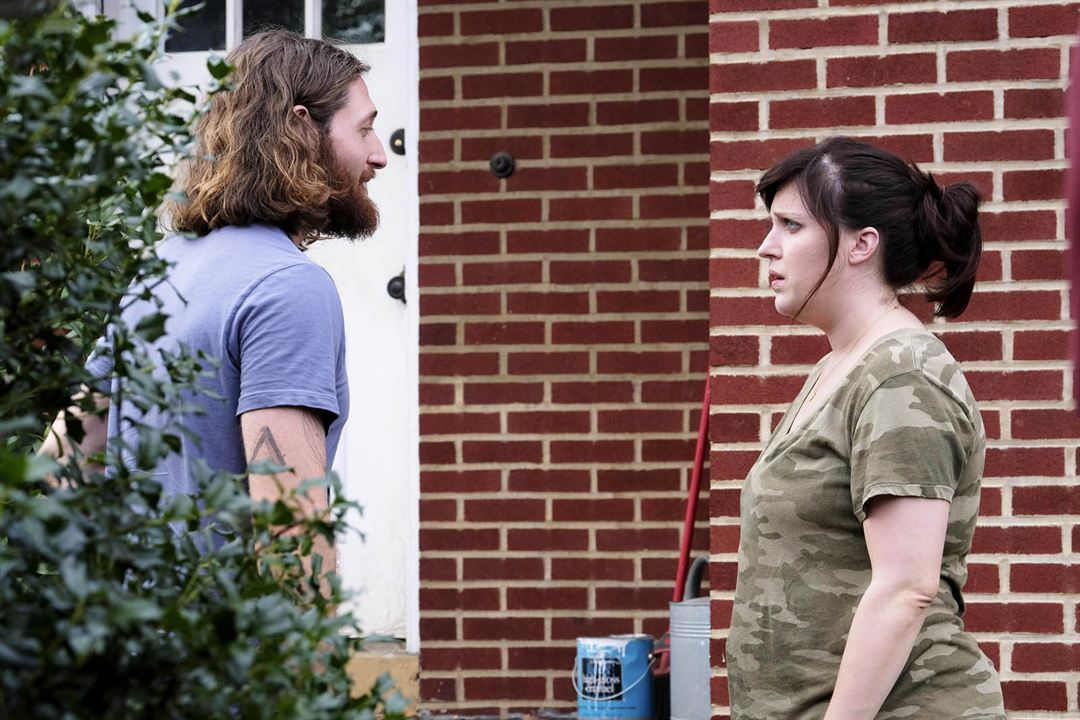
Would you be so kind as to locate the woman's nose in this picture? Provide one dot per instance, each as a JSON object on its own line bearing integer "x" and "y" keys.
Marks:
{"x": 769, "y": 247}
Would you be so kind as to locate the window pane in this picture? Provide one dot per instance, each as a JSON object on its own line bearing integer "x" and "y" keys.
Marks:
{"x": 288, "y": 14}
{"x": 354, "y": 21}
{"x": 202, "y": 30}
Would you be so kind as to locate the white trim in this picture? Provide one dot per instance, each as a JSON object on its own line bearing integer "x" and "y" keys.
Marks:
{"x": 313, "y": 18}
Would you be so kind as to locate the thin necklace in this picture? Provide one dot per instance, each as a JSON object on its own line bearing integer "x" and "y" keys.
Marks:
{"x": 820, "y": 381}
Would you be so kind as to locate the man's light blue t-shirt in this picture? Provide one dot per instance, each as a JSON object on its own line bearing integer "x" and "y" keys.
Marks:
{"x": 248, "y": 297}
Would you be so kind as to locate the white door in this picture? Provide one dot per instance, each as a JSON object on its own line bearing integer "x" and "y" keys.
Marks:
{"x": 378, "y": 455}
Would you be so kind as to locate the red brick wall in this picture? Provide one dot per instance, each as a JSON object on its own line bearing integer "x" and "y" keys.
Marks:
{"x": 973, "y": 92}
{"x": 564, "y": 330}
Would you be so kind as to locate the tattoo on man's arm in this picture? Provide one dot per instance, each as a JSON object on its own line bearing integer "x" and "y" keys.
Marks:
{"x": 266, "y": 446}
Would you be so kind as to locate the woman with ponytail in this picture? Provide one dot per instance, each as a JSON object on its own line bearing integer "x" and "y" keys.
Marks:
{"x": 858, "y": 516}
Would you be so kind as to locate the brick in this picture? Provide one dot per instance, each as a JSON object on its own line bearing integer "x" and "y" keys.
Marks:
{"x": 548, "y": 115}
{"x": 958, "y": 26}
{"x": 500, "y": 22}
{"x": 606, "y": 510}
{"x": 982, "y": 578}
{"x": 500, "y": 211}
{"x": 547, "y": 303}
{"x": 674, "y": 269}
{"x": 611, "y": 17}
{"x": 637, "y": 301}
{"x": 592, "y": 208}
{"x": 498, "y": 688}
{"x": 822, "y": 113}
{"x": 1044, "y": 578}
{"x": 696, "y": 46}
{"x": 687, "y": 78}
{"x": 743, "y": 234}
{"x": 438, "y": 511}
{"x": 638, "y": 239}
{"x": 1035, "y": 695}
{"x": 1043, "y": 21}
{"x": 455, "y": 364}
{"x": 501, "y": 568}
{"x": 547, "y": 241}
{"x": 569, "y": 628}
{"x": 504, "y": 333}
{"x": 437, "y": 275}
{"x": 742, "y": 389}
{"x": 720, "y": 6}
{"x": 843, "y": 31}
{"x": 498, "y": 510}
{"x": 547, "y": 51}
{"x": 640, "y": 539}
{"x": 667, "y": 450}
{"x": 501, "y": 273}
{"x": 432, "y": 305}
{"x": 734, "y": 36}
{"x": 437, "y": 334}
{"x": 548, "y": 363}
{"x": 1045, "y": 657}
{"x": 674, "y": 142}
{"x": 438, "y": 569}
{"x": 497, "y": 85}
{"x": 592, "y": 145}
{"x": 637, "y": 112}
{"x": 1016, "y": 385}
{"x": 970, "y": 346}
{"x": 1016, "y": 617}
{"x": 745, "y": 311}
{"x": 591, "y": 451}
{"x": 1005, "y": 145}
{"x": 432, "y": 540}
{"x": 467, "y": 658}
{"x": 1039, "y": 265}
{"x": 648, "y": 363}
{"x": 436, "y": 394}
{"x": 1018, "y": 225}
{"x": 653, "y": 480}
{"x": 459, "y": 243}
{"x": 631, "y": 598}
{"x": 733, "y": 350}
{"x": 590, "y": 393}
{"x": 503, "y": 393}
{"x": 592, "y": 333}
{"x": 733, "y": 272}
{"x": 763, "y": 76}
{"x": 459, "y": 481}
{"x": 549, "y": 421}
{"x": 939, "y": 107}
{"x": 1032, "y": 184}
{"x": 455, "y": 423}
{"x": 798, "y": 349}
{"x": 917, "y": 148}
{"x": 751, "y": 154}
{"x": 438, "y": 689}
{"x": 695, "y": 205}
{"x": 1025, "y": 104}
{"x": 1025, "y": 64}
{"x": 669, "y": 14}
{"x": 1022, "y": 462}
{"x": 542, "y": 658}
{"x": 1046, "y": 500}
{"x": 639, "y": 421}
{"x": 649, "y": 47}
{"x": 881, "y": 70}
{"x": 733, "y": 116}
{"x": 541, "y": 540}
{"x": 1024, "y": 540}
{"x": 675, "y": 331}
{"x": 437, "y": 88}
{"x": 436, "y": 151}
{"x": 501, "y": 451}
{"x": 549, "y": 480}
{"x": 1020, "y": 305}
{"x": 552, "y": 178}
{"x": 1041, "y": 345}
{"x": 434, "y": 24}
{"x": 521, "y": 147}
{"x": 590, "y": 82}
{"x": 607, "y": 177}
{"x": 435, "y": 57}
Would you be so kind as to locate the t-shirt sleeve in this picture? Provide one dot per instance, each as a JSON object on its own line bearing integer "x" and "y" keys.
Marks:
{"x": 287, "y": 336}
{"x": 910, "y": 439}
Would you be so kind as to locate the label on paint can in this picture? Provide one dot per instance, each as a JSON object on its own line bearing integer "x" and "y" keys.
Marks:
{"x": 601, "y": 678}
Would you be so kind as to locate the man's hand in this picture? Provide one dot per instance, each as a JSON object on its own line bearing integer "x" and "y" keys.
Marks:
{"x": 58, "y": 444}
{"x": 292, "y": 437}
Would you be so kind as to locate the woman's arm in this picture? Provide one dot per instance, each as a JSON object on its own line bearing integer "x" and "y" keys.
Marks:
{"x": 905, "y": 537}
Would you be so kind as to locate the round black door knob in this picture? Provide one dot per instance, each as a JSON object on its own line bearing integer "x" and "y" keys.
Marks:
{"x": 397, "y": 141}
{"x": 396, "y": 287}
{"x": 502, "y": 164}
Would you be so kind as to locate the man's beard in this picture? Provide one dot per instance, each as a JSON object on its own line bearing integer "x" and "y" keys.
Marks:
{"x": 351, "y": 214}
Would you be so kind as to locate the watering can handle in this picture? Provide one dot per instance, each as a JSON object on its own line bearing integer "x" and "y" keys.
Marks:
{"x": 692, "y": 588}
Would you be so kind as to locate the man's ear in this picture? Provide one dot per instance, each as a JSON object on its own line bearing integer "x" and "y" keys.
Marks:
{"x": 864, "y": 246}
{"x": 300, "y": 111}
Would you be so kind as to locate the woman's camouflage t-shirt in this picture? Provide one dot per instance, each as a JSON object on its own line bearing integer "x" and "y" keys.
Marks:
{"x": 903, "y": 422}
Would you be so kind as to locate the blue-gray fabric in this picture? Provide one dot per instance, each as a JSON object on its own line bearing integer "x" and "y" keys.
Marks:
{"x": 270, "y": 316}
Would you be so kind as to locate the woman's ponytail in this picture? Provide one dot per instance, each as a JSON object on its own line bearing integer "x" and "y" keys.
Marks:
{"x": 951, "y": 241}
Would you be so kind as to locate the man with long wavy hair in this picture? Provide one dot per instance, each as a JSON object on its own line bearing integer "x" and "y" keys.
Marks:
{"x": 282, "y": 159}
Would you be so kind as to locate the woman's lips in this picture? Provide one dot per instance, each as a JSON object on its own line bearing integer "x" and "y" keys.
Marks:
{"x": 775, "y": 280}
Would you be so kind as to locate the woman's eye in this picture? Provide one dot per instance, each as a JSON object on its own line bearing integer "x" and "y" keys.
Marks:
{"x": 791, "y": 225}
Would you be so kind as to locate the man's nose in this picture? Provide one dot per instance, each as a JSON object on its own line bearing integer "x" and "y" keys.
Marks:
{"x": 377, "y": 158}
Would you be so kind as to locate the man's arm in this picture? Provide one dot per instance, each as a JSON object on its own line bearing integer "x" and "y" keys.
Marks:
{"x": 292, "y": 437}
{"x": 59, "y": 444}
{"x": 905, "y": 537}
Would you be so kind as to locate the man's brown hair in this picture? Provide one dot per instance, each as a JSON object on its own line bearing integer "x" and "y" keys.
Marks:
{"x": 255, "y": 160}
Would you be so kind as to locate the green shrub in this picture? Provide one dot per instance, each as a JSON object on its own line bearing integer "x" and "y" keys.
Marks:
{"x": 117, "y": 602}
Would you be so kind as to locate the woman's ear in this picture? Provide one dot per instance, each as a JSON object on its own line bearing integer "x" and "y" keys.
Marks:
{"x": 864, "y": 245}
{"x": 300, "y": 111}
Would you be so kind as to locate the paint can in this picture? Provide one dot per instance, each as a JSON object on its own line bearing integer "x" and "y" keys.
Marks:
{"x": 613, "y": 677}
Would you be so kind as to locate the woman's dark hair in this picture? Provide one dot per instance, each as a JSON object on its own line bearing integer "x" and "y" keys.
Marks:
{"x": 927, "y": 232}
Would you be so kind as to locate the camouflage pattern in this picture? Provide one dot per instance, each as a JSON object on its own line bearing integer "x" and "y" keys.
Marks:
{"x": 903, "y": 422}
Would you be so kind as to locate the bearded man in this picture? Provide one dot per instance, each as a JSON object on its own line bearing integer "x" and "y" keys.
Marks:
{"x": 282, "y": 159}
